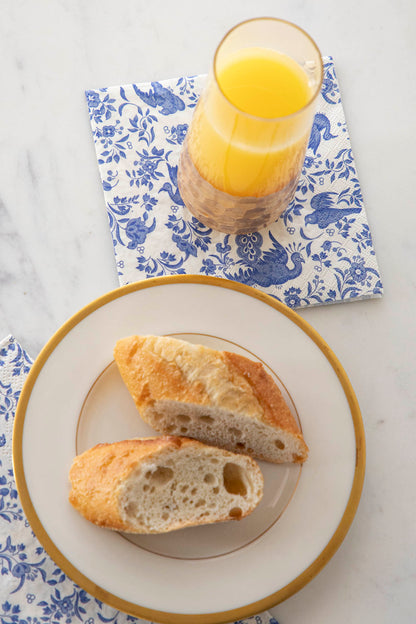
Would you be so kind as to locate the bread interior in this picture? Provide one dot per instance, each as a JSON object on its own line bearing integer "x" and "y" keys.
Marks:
{"x": 219, "y": 427}
{"x": 188, "y": 486}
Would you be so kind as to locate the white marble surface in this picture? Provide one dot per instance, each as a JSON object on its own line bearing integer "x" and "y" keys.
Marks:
{"x": 56, "y": 252}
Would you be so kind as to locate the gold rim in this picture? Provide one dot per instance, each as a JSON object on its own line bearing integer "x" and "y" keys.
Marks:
{"x": 162, "y": 616}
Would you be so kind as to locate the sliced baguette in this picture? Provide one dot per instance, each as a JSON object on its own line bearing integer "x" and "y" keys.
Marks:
{"x": 217, "y": 397}
{"x": 156, "y": 485}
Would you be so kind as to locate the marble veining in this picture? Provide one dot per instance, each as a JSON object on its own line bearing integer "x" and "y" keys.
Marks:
{"x": 56, "y": 251}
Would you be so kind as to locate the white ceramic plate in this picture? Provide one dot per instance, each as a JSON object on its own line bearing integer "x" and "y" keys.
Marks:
{"x": 74, "y": 398}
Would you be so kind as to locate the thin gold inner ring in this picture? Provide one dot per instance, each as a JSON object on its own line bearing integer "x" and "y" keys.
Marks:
{"x": 292, "y": 404}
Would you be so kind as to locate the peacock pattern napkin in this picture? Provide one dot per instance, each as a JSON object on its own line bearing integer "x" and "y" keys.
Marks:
{"x": 33, "y": 590}
{"x": 319, "y": 251}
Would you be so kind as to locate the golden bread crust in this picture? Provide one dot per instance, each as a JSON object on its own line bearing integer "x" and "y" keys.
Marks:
{"x": 97, "y": 474}
{"x": 275, "y": 410}
{"x": 149, "y": 376}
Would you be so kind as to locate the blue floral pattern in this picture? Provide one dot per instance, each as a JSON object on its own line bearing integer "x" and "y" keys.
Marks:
{"x": 33, "y": 590}
{"x": 319, "y": 251}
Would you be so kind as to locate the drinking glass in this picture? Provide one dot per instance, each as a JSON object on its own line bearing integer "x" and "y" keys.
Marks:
{"x": 244, "y": 150}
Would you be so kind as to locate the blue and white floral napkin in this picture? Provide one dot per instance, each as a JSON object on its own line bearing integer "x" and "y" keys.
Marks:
{"x": 319, "y": 251}
{"x": 33, "y": 590}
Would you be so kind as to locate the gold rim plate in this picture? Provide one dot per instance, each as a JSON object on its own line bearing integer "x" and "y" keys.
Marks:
{"x": 250, "y": 317}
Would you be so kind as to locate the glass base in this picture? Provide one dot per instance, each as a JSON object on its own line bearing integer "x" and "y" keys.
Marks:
{"x": 227, "y": 213}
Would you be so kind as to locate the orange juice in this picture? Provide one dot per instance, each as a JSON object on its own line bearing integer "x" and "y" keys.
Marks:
{"x": 231, "y": 146}
{"x": 240, "y": 163}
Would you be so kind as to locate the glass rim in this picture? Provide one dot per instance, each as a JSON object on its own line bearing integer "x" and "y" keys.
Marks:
{"x": 257, "y": 117}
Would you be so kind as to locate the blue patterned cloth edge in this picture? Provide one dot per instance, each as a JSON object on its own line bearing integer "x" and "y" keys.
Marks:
{"x": 33, "y": 590}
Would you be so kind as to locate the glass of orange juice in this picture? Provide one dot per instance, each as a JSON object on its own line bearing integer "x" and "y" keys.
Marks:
{"x": 245, "y": 146}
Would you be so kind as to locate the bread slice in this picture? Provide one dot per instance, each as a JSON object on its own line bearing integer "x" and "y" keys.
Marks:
{"x": 155, "y": 485}
{"x": 217, "y": 397}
